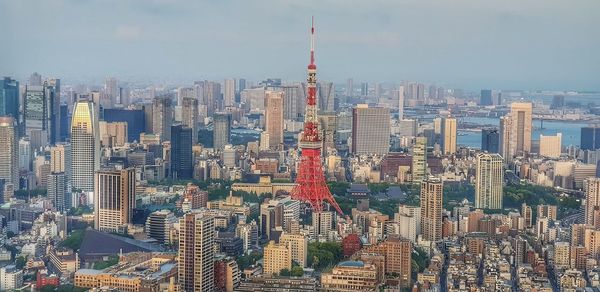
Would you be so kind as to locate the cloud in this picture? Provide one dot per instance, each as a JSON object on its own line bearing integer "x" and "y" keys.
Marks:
{"x": 128, "y": 32}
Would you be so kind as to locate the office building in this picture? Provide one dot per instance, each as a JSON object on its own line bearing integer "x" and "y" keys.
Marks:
{"x": 85, "y": 146}
{"x": 516, "y": 140}
{"x": 592, "y": 201}
{"x": 551, "y": 146}
{"x": 113, "y": 134}
{"x": 489, "y": 180}
{"x": 41, "y": 110}
{"x": 349, "y": 87}
{"x": 25, "y": 154}
{"x": 448, "y": 134}
{"x": 57, "y": 191}
{"x": 490, "y": 140}
{"x": 293, "y": 102}
{"x": 189, "y": 116}
{"x": 298, "y": 244}
{"x": 9, "y": 98}
{"x": 351, "y": 276}
{"x": 221, "y": 130}
{"x": 486, "y": 97}
{"x": 162, "y": 117}
{"x": 114, "y": 199}
{"x": 9, "y": 155}
{"x": 431, "y": 209}
{"x": 397, "y": 253}
{"x": 229, "y": 92}
{"x": 419, "y": 160}
{"x": 196, "y": 252}
{"x": 400, "y": 93}
{"x": 527, "y": 215}
{"x": 10, "y": 278}
{"x": 277, "y": 256}
{"x": 271, "y": 217}
{"x": 211, "y": 97}
{"x": 274, "y": 118}
{"x": 370, "y": 130}
{"x": 158, "y": 225}
{"x": 322, "y": 222}
{"x": 409, "y": 222}
{"x": 590, "y": 138}
{"x": 326, "y": 96}
{"x": 364, "y": 89}
{"x": 60, "y": 160}
{"x": 135, "y": 119}
{"x": 182, "y": 162}
{"x": 558, "y": 102}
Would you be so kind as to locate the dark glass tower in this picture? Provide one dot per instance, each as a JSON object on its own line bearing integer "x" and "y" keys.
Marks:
{"x": 181, "y": 152}
{"x": 490, "y": 140}
{"x": 9, "y": 98}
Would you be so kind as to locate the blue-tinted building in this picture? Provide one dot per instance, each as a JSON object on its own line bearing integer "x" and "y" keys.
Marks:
{"x": 65, "y": 120}
{"x": 590, "y": 138}
{"x": 181, "y": 152}
{"x": 490, "y": 140}
{"x": 9, "y": 97}
{"x": 135, "y": 119}
{"x": 486, "y": 97}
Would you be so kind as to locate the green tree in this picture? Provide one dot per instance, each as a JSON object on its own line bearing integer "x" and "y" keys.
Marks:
{"x": 297, "y": 271}
{"x": 20, "y": 262}
{"x": 74, "y": 240}
{"x": 324, "y": 254}
{"x": 285, "y": 272}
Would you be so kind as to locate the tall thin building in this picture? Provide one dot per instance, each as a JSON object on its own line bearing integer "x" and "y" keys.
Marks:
{"x": 60, "y": 162}
{"x": 114, "y": 199}
{"x": 370, "y": 130}
{"x": 57, "y": 191}
{"x": 486, "y": 97}
{"x": 162, "y": 117}
{"x": 350, "y": 87}
{"x": 221, "y": 130}
{"x": 431, "y": 209}
{"x": 590, "y": 138}
{"x": 274, "y": 118}
{"x": 229, "y": 92}
{"x": 448, "y": 136}
{"x": 196, "y": 252}
{"x": 419, "y": 159}
{"x": 181, "y": 152}
{"x": 489, "y": 179}
{"x": 189, "y": 116}
{"x": 211, "y": 96}
{"x": 9, "y": 155}
{"x": 111, "y": 91}
{"x": 292, "y": 102}
{"x": 85, "y": 145}
{"x": 505, "y": 138}
{"x": 364, "y": 89}
{"x": 9, "y": 98}
{"x": 592, "y": 202}
{"x": 400, "y": 93}
{"x": 326, "y": 99}
{"x": 520, "y": 139}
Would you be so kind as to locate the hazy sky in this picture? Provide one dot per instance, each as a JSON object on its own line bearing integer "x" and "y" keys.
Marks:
{"x": 509, "y": 44}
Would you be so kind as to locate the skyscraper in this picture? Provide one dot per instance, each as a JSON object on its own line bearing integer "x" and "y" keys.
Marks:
{"x": 41, "y": 110}
{"x": 229, "y": 92}
{"x": 590, "y": 138}
{"x": 400, "y": 93}
{"x": 505, "y": 138}
{"x": 57, "y": 190}
{"x": 35, "y": 79}
{"x": 520, "y": 137}
{"x": 370, "y": 130}
{"x": 114, "y": 199}
{"x": 350, "y": 87}
{"x": 326, "y": 97}
{"x": 448, "y": 135}
{"x": 274, "y": 118}
{"x": 189, "y": 116}
{"x": 221, "y": 130}
{"x": 211, "y": 96}
{"x": 364, "y": 89}
{"x": 592, "y": 202}
{"x": 196, "y": 252}
{"x": 490, "y": 140}
{"x": 9, "y": 98}
{"x": 419, "y": 160}
{"x": 162, "y": 117}
{"x": 431, "y": 208}
{"x": 486, "y": 97}
{"x": 60, "y": 162}
{"x": 85, "y": 145}
{"x": 292, "y": 102}
{"x": 9, "y": 155}
{"x": 181, "y": 152}
{"x": 489, "y": 179}
{"x": 111, "y": 91}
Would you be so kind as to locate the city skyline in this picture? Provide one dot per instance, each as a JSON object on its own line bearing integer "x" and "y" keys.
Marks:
{"x": 512, "y": 46}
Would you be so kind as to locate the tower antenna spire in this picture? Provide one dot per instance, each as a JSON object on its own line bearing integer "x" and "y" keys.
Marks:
{"x": 312, "y": 41}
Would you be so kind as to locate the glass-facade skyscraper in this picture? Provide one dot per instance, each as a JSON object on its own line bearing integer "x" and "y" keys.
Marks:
{"x": 85, "y": 145}
{"x": 9, "y": 97}
{"x": 181, "y": 152}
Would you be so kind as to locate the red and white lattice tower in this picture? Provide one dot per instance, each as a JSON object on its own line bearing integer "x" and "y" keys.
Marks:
{"x": 311, "y": 186}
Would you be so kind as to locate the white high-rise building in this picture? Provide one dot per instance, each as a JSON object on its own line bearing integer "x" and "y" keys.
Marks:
{"x": 401, "y": 103}
{"x": 489, "y": 179}
{"x": 229, "y": 92}
{"x": 25, "y": 154}
{"x": 592, "y": 202}
{"x": 550, "y": 146}
{"x": 85, "y": 145}
{"x": 9, "y": 160}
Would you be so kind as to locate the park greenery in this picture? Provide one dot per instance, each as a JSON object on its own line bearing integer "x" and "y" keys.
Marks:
{"x": 246, "y": 261}
{"x": 419, "y": 261}
{"x": 74, "y": 240}
{"x": 111, "y": 261}
{"x": 324, "y": 255}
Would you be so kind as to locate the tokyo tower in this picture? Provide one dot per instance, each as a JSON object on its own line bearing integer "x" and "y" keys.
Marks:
{"x": 310, "y": 181}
